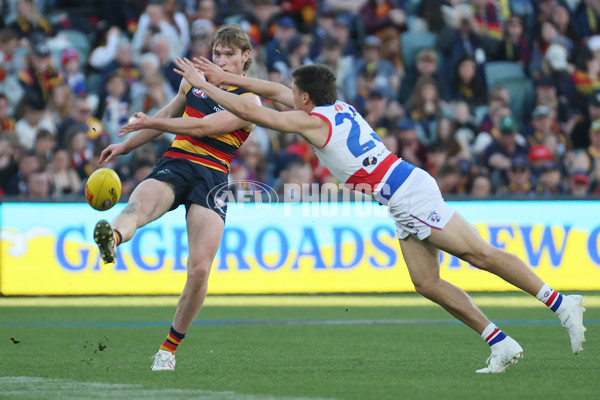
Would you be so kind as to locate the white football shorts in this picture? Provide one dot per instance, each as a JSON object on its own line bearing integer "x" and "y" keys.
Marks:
{"x": 417, "y": 207}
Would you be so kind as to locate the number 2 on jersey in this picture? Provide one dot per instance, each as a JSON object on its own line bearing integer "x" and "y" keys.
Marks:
{"x": 356, "y": 148}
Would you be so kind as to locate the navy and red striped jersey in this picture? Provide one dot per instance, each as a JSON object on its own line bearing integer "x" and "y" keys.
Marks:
{"x": 213, "y": 151}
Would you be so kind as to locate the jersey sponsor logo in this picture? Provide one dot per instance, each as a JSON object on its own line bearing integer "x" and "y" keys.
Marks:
{"x": 163, "y": 171}
{"x": 370, "y": 160}
{"x": 199, "y": 93}
{"x": 218, "y": 108}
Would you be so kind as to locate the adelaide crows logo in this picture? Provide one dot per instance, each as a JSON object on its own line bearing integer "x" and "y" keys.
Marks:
{"x": 199, "y": 93}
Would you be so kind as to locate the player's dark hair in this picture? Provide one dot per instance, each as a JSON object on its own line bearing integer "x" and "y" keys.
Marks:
{"x": 234, "y": 37}
{"x": 318, "y": 81}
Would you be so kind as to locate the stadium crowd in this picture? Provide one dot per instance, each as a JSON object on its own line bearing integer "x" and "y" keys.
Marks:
{"x": 491, "y": 97}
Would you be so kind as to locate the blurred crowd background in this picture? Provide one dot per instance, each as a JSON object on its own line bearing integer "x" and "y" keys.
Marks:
{"x": 491, "y": 97}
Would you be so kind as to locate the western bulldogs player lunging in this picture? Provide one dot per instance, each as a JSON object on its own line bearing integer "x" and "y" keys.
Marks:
{"x": 347, "y": 146}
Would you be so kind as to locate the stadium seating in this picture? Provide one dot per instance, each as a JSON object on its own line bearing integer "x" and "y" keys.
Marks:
{"x": 413, "y": 42}
{"x": 521, "y": 94}
{"x": 499, "y": 71}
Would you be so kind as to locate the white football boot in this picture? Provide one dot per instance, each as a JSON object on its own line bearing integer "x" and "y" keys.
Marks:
{"x": 163, "y": 361}
{"x": 504, "y": 353}
{"x": 570, "y": 314}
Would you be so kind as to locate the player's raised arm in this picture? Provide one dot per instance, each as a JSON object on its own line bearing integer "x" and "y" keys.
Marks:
{"x": 269, "y": 90}
{"x": 312, "y": 128}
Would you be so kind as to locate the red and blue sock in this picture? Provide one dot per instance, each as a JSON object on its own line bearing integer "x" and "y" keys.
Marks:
{"x": 492, "y": 334}
{"x": 173, "y": 340}
{"x": 550, "y": 297}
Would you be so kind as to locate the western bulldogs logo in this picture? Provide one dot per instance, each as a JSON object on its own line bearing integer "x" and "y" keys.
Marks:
{"x": 410, "y": 225}
{"x": 199, "y": 93}
{"x": 434, "y": 217}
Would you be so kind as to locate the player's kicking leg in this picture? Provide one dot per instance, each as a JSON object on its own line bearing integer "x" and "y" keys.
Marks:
{"x": 422, "y": 260}
{"x": 149, "y": 201}
{"x": 460, "y": 239}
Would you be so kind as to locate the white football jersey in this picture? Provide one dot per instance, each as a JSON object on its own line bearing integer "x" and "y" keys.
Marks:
{"x": 353, "y": 152}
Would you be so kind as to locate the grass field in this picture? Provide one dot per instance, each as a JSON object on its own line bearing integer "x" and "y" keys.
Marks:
{"x": 288, "y": 347}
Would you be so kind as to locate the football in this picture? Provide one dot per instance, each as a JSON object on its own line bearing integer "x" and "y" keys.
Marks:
{"x": 103, "y": 189}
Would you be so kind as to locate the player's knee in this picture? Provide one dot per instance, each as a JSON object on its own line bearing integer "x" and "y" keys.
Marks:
{"x": 426, "y": 287}
{"x": 478, "y": 256}
{"x": 198, "y": 272}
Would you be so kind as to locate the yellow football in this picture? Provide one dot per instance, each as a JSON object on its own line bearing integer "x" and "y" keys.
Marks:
{"x": 103, "y": 189}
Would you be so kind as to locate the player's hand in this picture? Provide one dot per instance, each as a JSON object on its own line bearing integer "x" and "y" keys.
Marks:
{"x": 212, "y": 73}
{"x": 112, "y": 151}
{"x": 140, "y": 121}
{"x": 186, "y": 69}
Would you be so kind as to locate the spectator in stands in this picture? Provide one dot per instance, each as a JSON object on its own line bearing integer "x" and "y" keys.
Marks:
{"x": 487, "y": 18}
{"x": 296, "y": 175}
{"x": 104, "y": 49}
{"x": 586, "y": 19}
{"x": 159, "y": 46}
{"x": 207, "y": 9}
{"x": 43, "y": 146}
{"x": 518, "y": 175}
{"x": 80, "y": 150}
{"x": 465, "y": 126}
{"x": 60, "y": 104}
{"x": 543, "y": 40}
{"x": 7, "y": 122}
{"x": 178, "y": 20}
{"x": 123, "y": 64}
{"x": 543, "y": 123}
{"x": 435, "y": 157}
{"x": 464, "y": 42}
{"x": 38, "y": 186}
{"x": 149, "y": 68}
{"x": 40, "y": 76}
{"x": 468, "y": 85}
{"x": 276, "y": 49}
{"x": 34, "y": 118}
{"x": 8, "y": 163}
{"x": 380, "y": 15}
{"x": 298, "y": 50}
{"x": 426, "y": 64}
{"x": 17, "y": 184}
{"x": 481, "y": 186}
{"x": 561, "y": 18}
{"x": 342, "y": 66}
{"x": 585, "y": 77}
{"x": 448, "y": 176}
{"x": 384, "y": 70}
{"x": 425, "y": 108}
{"x": 64, "y": 178}
{"x": 343, "y": 34}
{"x": 154, "y": 21}
{"x": 375, "y": 111}
{"x": 30, "y": 21}
{"x": 391, "y": 49}
{"x": 538, "y": 156}
{"x": 446, "y": 134}
{"x": 323, "y": 27}
{"x": 409, "y": 146}
{"x": 555, "y": 67}
{"x": 515, "y": 46}
{"x": 588, "y": 159}
{"x": 116, "y": 107}
{"x": 579, "y": 184}
{"x": 580, "y": 137}
{"x": 430, "y": 16}
{"x": 550, "y": 180}
{"x": 499, "y": 155}
{"x": 71, "y": 70}
{"x": 10, "y": 66}
{"x": 81, "y": 114}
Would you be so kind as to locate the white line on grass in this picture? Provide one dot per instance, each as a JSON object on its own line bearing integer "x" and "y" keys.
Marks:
{"x": 27, "y": 387}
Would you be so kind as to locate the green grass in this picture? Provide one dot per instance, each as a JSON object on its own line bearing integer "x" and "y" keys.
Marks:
{"x": 60, "y": 356}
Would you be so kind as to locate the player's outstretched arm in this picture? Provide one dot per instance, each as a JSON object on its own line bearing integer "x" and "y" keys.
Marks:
{"x": 313, "y": 128}
{"x": 270, "y": 90}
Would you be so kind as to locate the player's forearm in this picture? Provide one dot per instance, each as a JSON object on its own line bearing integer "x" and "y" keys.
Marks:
{"x": 194, "y": 127}
{"x": 270, "y": 90}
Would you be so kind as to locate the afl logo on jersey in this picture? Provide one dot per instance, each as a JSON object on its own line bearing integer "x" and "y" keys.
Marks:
{"x": 370, "y": 160}
{"x": 199, "y": 93}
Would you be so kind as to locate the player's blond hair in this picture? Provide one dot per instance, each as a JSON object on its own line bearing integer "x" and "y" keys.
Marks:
{"x": 234, "y": 37}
